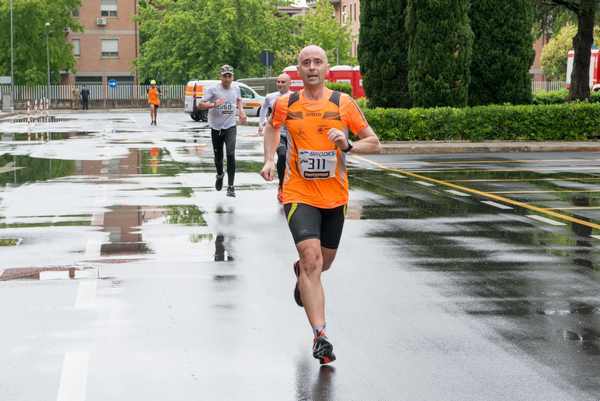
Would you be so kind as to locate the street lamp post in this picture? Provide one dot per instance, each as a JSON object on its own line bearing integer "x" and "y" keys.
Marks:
{"x": 48, "y": 60}
{"x": 12, "y": 57}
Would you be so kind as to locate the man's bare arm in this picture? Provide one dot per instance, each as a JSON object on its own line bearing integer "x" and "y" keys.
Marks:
{"x": 271, "y": 136}
{"x": 368, "y": 142}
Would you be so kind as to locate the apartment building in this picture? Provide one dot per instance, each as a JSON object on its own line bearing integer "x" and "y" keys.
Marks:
{"x": 347, "y": 12}
{"x": 108, "y": 44}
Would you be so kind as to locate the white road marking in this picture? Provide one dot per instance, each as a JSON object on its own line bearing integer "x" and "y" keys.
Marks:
{"x": 86, "y": 294}
{"x": 92, "y": 248}
{"x": 397, "y": 175}
{"x": 73, "y": 379}
{"x": 595, "y": 236}
{"x": 54, "y": 275}
{"x": 454, "y": 192}
{"x": 425, "y": 183}
{"x": 498, "y": 205}
{"x": 545, "y": 220}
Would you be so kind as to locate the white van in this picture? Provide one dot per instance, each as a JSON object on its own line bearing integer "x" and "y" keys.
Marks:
{"x": 194, "y": 90}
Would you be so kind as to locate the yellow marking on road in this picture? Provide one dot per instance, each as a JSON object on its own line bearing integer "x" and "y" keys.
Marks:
{"x": 527, "y": 180}
{"x": 577, "y": 208}
{"x": 506, "y": 170}
{"x": 498, "y": 161}
{"x": 545, "y": 192}
{"x": 488, "y": 195}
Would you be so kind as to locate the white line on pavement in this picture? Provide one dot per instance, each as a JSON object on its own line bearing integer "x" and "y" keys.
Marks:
{"x": 545, "y": 220}
{"x": 54, "y": 275}
{"x": 454, "y": 192}
{"x": 397, "y": 175}
{"x": 92, "y": 248}
{"x": 86, "y": 294}
{"x": 425, "y": 183}
{"x": 498, "y": 205}
{"x": 73, "y": 379}
{"x": 595, "y": 236}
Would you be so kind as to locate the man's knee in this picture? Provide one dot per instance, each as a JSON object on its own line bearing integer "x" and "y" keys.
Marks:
{"x": 311, "y": 261}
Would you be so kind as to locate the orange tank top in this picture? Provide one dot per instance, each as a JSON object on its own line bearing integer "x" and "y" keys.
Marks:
{"x": 315, "y": 168}
{"x": 153, "y": 96}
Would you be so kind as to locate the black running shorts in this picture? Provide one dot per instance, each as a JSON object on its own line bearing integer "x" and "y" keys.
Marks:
{"x": 308, "y": 222}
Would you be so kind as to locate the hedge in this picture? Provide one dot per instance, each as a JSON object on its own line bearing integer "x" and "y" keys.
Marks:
{"x": 570, "y": 121}
{"x": 559, "y": 96}
{"x": 340, "y": 87}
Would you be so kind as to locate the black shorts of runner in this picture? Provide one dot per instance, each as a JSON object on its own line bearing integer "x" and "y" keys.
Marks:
{"x": 309, "y": 222}
{"x": 156, "y": 106}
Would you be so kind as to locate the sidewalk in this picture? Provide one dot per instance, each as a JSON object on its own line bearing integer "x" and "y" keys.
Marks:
{"x": 432, "y": 147}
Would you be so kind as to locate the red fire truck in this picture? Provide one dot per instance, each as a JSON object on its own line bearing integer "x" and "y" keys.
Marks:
{"x": 594, "y": 69}
{"x": 338, "y": 73}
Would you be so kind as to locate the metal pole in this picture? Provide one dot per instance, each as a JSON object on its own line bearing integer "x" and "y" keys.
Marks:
{"x": 48, "y": 59}
{"x": 12, "y": 57}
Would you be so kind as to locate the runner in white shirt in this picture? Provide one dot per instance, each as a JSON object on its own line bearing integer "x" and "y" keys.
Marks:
{"x": 283, "y": 86}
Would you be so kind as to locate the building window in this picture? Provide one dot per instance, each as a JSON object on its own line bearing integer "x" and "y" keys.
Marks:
{"x": 344, "y": 15}
{"x": 110, "y": 47}
{"x": 82, "y": 80}
{"x": 76, "y": 48}
{"x": 108, "y": 8}
{"x": 75, "y": 12}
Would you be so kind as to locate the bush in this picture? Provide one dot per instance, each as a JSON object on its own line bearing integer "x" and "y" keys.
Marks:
{"x": 340, "y": 87}
{"x": 569, "y": 121}
{"x": 559, "y": 97}
{"x": 551, "y": 97}
{"x": 362, "y": 103}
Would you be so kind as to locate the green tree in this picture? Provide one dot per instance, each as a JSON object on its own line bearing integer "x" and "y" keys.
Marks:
{"x": 554, "y": 55}
{"x": 502, "y": 51}
{"x": 585, "y": 12}
{"x": 383, "y": 52}
{"x": 184, "y": 39}
{"x": 439, "y": 52}
{"x": 319, "y": 27}
{"x": 29, "y": 19}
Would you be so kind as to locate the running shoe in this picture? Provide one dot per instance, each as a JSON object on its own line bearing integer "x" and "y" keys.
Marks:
{"x": 219, "y": 182}
{"x": 297, "y": 297}
{"x": 231, "y": 191}
{"x": 323, "y": 349}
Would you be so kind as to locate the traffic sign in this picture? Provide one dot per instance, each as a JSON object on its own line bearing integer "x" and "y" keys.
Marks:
{"x": 267, "y": 57}
{"x": 112, "y": 83}
{"x": 5, "y": 80}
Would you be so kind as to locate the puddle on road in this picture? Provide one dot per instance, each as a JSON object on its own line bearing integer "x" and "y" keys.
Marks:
{"x": 18, "y": 170}
{"x": 10, "y": 241}
{"x": 531, "y": 283}
{"x": 34, "y": 136}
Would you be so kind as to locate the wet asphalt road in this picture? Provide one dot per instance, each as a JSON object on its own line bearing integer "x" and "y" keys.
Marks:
{"x": 178, "y": 292}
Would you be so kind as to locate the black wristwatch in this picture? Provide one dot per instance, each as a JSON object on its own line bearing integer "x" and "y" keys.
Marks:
{"x": 349, "y": 148}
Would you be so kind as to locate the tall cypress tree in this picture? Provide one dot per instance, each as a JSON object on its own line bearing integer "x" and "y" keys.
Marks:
{"x": 439, "y": 52}
{"x": 502, "y": 51}
{"x": 383, "y": 52}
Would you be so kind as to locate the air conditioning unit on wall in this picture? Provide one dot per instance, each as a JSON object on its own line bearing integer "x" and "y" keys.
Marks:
{"x": 101, "y": 21}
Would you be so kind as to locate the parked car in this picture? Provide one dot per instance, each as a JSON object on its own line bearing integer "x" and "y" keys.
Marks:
{"x": 194, "y": 90}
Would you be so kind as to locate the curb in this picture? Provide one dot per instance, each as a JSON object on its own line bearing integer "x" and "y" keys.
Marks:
{"x": 392, "y": 148}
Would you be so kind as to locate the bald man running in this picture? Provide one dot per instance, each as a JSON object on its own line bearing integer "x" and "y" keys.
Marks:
{"x": 315, "y": 187}
{"x": 283, "y": 87}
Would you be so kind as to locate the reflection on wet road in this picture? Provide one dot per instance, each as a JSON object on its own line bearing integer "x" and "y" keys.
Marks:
{"x": 125, "y": 275}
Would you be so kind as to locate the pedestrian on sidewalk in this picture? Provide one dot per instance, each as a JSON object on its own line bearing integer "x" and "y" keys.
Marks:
{"x": 75, "y": 99}
{"x": 85, "y": 97}
{"x": 224, "y": 101}
{"x": 283, "y": 87}
{"x": 315, "y": 188}
{"x": 154, "y": 101}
